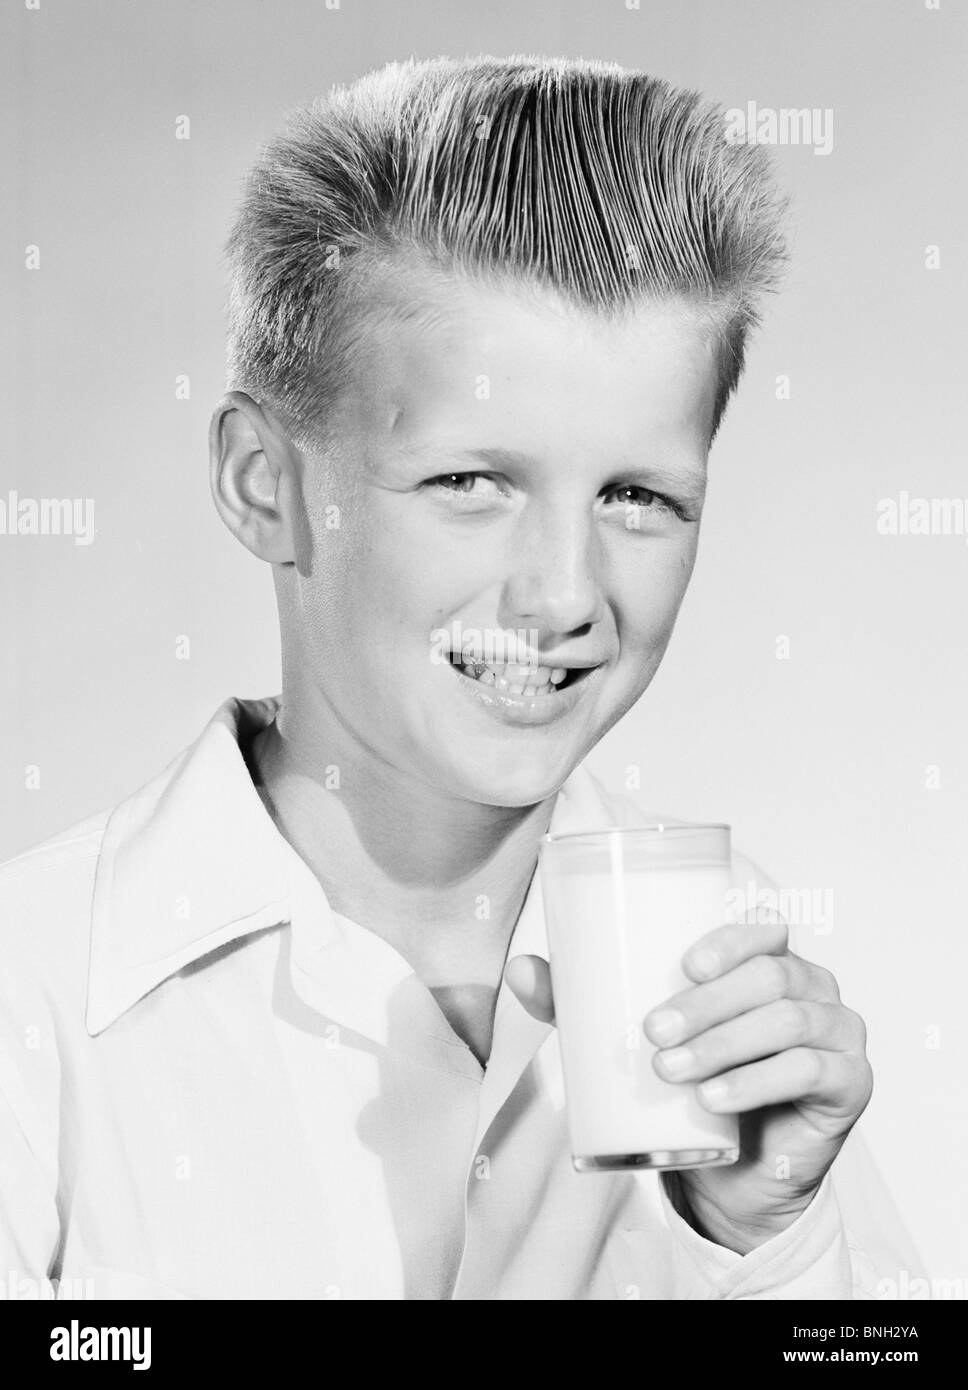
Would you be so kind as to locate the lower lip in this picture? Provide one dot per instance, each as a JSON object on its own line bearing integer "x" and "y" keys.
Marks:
{"x": 529, "y": 710}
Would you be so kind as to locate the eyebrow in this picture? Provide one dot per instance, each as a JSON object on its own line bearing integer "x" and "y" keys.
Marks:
{"x": 689, "y": 482}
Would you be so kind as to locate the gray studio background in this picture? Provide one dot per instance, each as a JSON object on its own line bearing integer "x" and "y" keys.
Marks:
{"x": 842, "y": 766}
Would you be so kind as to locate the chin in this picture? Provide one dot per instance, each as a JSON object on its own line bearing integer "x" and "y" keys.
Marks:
{"x": 522, "y": 786}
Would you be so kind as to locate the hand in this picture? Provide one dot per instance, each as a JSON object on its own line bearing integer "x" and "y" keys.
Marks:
{"x": 767, "y": 1034}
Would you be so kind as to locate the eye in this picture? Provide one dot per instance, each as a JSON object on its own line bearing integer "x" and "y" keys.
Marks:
{"x": 456, "y": 482}
{"x": 632, "y": 497}
{"x": 473, "y": 487}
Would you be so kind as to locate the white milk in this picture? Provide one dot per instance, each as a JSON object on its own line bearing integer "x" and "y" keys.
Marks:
{"x": 615, "y": 945}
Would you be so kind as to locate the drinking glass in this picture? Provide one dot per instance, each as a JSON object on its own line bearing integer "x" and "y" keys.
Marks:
{"x": 622, "y": 907}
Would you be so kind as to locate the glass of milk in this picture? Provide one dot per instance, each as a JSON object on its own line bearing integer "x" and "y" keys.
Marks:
{"x": 622, "y": 907}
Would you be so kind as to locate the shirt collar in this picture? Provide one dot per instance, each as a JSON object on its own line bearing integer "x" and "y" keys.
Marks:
{"x": 193, "y": 861}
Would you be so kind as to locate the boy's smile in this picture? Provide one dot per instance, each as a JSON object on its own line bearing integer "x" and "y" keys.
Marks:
{"x": 504, "y": 463}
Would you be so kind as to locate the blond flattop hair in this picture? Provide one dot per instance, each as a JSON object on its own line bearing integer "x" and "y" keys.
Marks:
{"x": 607, "y": 185}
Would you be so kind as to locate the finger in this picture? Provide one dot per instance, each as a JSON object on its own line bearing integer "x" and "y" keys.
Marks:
{"x": 727, "y": 946}
{"x": 748, "y": 986}
{"x": 529, "y": 980}
{"x": 834, "y": 1080}
{"x": 774, "y": 1028}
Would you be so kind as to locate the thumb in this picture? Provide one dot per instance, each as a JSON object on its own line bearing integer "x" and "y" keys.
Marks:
{"x": 529, "y": 980}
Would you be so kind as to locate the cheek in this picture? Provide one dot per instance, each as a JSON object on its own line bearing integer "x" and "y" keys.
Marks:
{"x": 372, "y": 592}
{"x": 650, "y": 592}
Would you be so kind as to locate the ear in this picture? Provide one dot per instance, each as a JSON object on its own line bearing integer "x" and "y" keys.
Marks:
{"x": 254, "y": 476}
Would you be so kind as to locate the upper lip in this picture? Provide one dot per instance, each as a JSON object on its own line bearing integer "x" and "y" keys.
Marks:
{"x": 571, "y": 663}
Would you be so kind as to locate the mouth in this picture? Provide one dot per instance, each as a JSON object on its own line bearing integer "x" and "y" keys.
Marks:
{"x": 527, "y": 682}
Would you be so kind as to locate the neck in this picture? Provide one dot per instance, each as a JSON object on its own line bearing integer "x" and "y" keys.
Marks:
{"x": 442, "y": 879}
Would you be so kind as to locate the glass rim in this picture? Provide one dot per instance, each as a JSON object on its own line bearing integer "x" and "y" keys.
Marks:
{"x": 655, "y": 829}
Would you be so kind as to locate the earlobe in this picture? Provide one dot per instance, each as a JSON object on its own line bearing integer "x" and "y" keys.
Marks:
{"x": 250, "y": 472}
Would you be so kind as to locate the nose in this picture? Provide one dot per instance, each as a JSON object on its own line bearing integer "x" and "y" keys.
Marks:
{"x": 555, "y": 584}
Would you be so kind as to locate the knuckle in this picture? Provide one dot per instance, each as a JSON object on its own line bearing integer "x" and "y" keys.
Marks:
{"x": 868, "y": 1083}
{"x": 828, "y": 981}
{"x": 795, "y": 1020}
{"x": 858, "y": 1027}
{"x": 770, "y": 976}
{"x": 860, "y": 1080}
{"x": 812, "y": 1066}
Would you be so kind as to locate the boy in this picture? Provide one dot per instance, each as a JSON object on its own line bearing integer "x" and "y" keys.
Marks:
{"x": 280, "y": 1024}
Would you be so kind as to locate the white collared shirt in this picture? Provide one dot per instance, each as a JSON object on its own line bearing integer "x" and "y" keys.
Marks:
{"x": 214, "y": 1086}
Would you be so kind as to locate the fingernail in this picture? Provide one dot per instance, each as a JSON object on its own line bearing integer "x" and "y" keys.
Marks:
{"x": 664, "y": 1026}
{"x": 704, "y": 961}
{"x": 715, "y": 1092}
{"x": 676, "y": 1062}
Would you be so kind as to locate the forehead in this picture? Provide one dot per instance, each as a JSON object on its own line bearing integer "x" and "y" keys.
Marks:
{"x": 442, "y": 355}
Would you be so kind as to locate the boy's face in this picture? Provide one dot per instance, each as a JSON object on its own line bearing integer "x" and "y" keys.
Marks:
{"x": 504, "y": 463}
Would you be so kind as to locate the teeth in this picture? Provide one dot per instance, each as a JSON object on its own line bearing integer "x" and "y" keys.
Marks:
{"x": 515, "y": 678}
{"x": 514, "y": 675}
{"x": 518, "y": 674}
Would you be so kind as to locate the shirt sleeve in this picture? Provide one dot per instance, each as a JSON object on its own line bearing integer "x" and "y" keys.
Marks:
{"x": 811, "y": 1259}
{"x": 885, "y": 1259}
